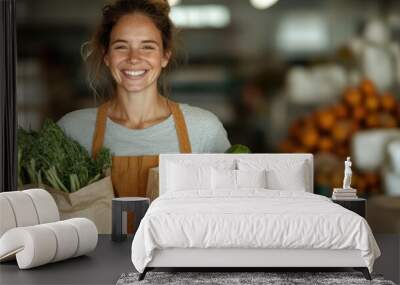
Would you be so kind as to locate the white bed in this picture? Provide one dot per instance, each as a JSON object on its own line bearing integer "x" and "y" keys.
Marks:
{"x": 217, "y": 225}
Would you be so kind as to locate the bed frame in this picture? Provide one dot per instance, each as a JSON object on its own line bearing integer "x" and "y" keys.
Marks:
{"x": 246, "y": 259}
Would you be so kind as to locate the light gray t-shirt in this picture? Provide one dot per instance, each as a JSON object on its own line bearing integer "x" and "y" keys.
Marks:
{"x": 206, "y": 133}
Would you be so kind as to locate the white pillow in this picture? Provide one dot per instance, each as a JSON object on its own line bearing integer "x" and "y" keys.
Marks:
{"x": 288, "y": 174}
{"x": 296, "y": 180}
{"x": 236, "y": 179}
{"x": 223, "y": 179}
{"x": 251, "y": 178}
{"x": 185, "y": 177}
{"x": 193, "y": 174}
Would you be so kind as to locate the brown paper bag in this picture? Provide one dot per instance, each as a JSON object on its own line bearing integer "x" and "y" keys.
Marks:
{"x": 152, "y": 190}
{"x": 93, "y": 202}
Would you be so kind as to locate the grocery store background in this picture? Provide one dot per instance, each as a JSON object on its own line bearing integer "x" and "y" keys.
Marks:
{"x": 320, "y": 76}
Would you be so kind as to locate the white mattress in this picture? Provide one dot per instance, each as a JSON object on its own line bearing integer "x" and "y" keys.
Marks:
{"x": 250, "y": 219}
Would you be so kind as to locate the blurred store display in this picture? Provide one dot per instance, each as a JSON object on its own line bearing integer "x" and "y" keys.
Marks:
{"x": 378, "y": 140}
{"x": 31, "y": 94}
{"x": 292, "y": 70}
{"x": 377, "y": 54}
{"x": 303, "y": 33}
{"x": 262, "y": 4}
{"x": 201, "y": 16}
{"x": 174, "y": 2}
{"x": 391, "y": 169}
{"x": 316, "y": 85}
{"x": 331, "y": 131}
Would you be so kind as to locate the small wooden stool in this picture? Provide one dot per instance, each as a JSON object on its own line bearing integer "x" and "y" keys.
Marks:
{"x": 137, "y": 205}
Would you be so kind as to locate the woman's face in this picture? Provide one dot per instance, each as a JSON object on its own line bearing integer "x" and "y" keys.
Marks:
{"x": 135, "y": 55}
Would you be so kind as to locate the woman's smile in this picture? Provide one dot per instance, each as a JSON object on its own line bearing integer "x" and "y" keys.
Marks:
{"x": 135, "y": 74}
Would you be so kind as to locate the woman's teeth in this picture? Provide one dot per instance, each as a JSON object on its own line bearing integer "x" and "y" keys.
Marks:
{"x": 134, "y": 73}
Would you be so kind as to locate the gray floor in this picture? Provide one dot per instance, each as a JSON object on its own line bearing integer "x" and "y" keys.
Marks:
{"x": 103, "y": 266}
{"x": 110, "y": 260}
{"x": 389, "y": 262}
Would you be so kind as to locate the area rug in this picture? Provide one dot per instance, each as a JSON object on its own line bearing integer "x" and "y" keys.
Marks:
{"x": 243, "y": 278}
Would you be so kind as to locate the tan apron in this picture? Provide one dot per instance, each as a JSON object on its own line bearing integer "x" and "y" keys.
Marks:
{"x": 129, "y": 174}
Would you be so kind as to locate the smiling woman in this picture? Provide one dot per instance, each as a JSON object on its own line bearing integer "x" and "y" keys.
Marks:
{"x": 135, "y": 58}
{"x": 127, "y": 57}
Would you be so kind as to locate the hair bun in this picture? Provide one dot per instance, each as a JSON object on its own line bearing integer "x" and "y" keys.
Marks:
{"x": 163, "y": 5}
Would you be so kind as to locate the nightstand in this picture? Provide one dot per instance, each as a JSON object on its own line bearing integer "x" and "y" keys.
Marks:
{"x": 137, "y": 205}
{"x": 358, "y": 205}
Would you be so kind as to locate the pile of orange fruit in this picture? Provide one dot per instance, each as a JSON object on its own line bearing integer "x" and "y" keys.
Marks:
{"x": 329, "y": 130}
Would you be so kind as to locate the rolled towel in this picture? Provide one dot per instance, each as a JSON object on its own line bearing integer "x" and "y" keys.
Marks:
{"x": 67, "y": 239}
{"x": 87, "y": 234}
{"x": 46, "y": 207}
{"x": 7, "y": 220}
{"x": 23, "y": 208}
{"x": 40, "y": 244}
{"x": 26, "y": 208}
{"x": 33, "y": 246}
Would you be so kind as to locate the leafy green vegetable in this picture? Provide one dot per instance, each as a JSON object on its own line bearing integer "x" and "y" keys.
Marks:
{"x": 238, "y": 148}
{"x": 50, "y": 157}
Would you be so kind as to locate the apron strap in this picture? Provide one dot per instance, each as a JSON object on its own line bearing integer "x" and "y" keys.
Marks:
{"x": 180, "y": 126}
{"x": 100, "y": 129}
{"x": 179, "y": 120}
